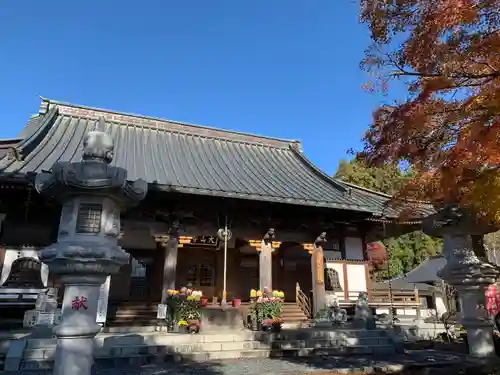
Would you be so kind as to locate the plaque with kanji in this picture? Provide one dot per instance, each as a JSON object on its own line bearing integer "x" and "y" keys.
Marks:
{"x": 79, "y": 303}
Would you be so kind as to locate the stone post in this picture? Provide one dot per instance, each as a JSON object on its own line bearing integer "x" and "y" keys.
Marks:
{"x": 467, "y": 273}
{"x": 318, "y": 273}
{"x": 266, "y": 261}
{"x": 92, "y": 193}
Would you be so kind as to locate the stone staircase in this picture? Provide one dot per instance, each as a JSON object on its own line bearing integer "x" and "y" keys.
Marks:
{"x": 126, "y": 314}
{"x": 144, "y": 348}
{"x": 292, "y": 315}
{"x": 132, "y": 314}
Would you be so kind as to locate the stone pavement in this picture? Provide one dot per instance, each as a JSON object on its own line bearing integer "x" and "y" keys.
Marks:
{"x": 268, "y": 366}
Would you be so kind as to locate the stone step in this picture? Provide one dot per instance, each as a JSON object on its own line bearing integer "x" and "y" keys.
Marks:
{"x": 107, "y": 345}
{"x": 144, "y": 348}
{"x": 133, "y": 322}
{"x": 150, "y": 354}
{"x": 133, "y": 315}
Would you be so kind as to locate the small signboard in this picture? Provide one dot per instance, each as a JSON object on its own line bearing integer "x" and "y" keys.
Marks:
{"x": 102, "y": 303}
{"x": 161, "y": 312}
{"x": 45, "y": 319}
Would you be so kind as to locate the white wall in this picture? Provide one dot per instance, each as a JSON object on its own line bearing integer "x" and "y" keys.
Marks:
{"x": 356, "y": 278}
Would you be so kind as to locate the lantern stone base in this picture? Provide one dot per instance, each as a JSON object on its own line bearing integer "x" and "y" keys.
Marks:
{"x": 216, "y": 318}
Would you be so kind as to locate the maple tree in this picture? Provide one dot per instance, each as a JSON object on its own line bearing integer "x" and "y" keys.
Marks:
{"x": 446, "y": 53}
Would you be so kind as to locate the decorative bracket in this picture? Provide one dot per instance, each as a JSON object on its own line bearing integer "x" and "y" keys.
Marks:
{"x": 309, "y": 247}
{"x": 163, "y": 239}
{"x": 258, "y": 244}
{"x": 266, "y": 240}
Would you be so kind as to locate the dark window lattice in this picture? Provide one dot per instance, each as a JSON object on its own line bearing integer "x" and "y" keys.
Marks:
{"x": 89, "y": 218}
{"x": 332, "y": 280}
{"x": 25, "y": 273}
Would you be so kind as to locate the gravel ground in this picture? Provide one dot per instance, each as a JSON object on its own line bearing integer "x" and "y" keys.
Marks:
{"x": 278, "y": 366}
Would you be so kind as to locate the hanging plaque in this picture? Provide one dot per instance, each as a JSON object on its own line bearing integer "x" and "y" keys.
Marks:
{"x": 211, "y": 241}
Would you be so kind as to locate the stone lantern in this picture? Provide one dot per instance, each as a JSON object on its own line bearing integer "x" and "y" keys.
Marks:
{"x": 92, "y": 194}
{"x": 464, "y": 270}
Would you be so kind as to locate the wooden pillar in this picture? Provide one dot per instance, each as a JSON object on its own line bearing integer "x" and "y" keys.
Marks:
{"x": 346, "y": 280}
{"x": 318, "y": 272}
{"x": 171, "y": 243}
{"x": 417, "y": 302}
{"x": 266, "y": 247}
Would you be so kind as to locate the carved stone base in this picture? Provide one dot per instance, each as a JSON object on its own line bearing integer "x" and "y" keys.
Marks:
{"x": 479, "y": 327}
{"x": 75, "y": 335}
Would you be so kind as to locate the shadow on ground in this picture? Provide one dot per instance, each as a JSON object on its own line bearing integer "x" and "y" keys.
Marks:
{"x": 134, "y": 355}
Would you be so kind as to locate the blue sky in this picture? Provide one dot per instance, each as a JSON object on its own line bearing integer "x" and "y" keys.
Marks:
{"x": 282, "y": 68}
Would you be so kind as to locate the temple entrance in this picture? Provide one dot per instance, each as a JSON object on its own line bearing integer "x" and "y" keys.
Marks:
{"x": 196, "y": 267}
{"x": 140, "y": 278}
{"x": 292, "y": 265}
{"x": 145, "y": 272}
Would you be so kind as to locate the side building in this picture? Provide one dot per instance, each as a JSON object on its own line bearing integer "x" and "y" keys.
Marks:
{"x": 200, "y": 180}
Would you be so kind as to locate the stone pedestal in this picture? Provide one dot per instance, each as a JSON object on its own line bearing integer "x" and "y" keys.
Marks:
{"x": 86, "y": 252}
{"x": 479, "y": 327}
{"x": 467, "y": 273}
{"x": 45, "y": 315}
{"x": 75, "y": 334}
{"x": 363, "y": 317}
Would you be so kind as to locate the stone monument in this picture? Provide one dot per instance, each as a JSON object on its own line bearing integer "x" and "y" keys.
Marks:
{"x": 363, "y": 316}
{"x": 470, "y": 275}
{"x": 92, "y": 194}
{"x": 45, "y": 315}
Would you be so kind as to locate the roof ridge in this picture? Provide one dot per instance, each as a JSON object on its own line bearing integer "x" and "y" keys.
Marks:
{"x": 297, "y": 151}
{"x": 194, "y": 127}
{"x": 379, "y": 193}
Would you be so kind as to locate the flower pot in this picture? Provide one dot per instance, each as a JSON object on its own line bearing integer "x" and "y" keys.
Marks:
{"x": 267, "y": 328}
{"x": 203, "y": 302}
{"x": 173, "y": 328}
{"x": 236, "y": 302}
{"x": 193, "y": 328}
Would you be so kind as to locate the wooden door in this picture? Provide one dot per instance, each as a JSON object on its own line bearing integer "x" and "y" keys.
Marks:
{"x": 141, "y": 275}
{"x": 196, "y": 268}
{"x": 293, "y": 271}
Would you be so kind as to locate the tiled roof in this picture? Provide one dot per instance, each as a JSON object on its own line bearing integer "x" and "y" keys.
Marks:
{"x": 425, "y": 272}
{"x": 186, "y": 158}
{"x": 388, "y": 210}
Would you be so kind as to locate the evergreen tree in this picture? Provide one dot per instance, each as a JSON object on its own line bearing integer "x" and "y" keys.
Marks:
{"x": 404, "y": 252}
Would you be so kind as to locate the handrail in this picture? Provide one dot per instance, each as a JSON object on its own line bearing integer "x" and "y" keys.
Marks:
{"x": 302, "y": 301}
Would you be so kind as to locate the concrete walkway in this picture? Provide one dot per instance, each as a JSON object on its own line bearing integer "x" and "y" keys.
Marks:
{"x": 267, "y": 366}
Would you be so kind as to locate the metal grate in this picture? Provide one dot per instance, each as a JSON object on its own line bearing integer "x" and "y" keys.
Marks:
{"x": 89, "y": 218}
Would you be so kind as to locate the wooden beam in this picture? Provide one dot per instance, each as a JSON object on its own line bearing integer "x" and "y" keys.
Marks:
{"x": 346, "y": 281}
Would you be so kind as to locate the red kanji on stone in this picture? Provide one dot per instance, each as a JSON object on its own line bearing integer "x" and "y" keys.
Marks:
{"x": 79, "y": 303}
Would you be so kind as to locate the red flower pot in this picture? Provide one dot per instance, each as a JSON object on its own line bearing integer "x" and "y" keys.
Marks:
{"x": 203, "y": 302}
{"x": 236, "y": 302}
